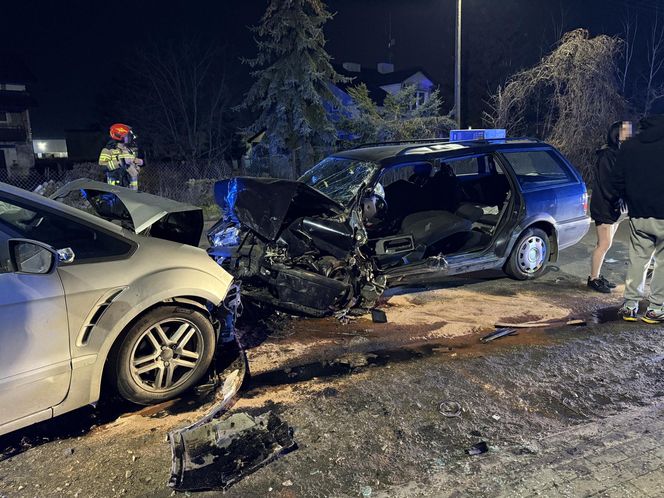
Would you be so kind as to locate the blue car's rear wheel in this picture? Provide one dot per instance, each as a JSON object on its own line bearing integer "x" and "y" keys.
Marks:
{"x": 529, "y": 256}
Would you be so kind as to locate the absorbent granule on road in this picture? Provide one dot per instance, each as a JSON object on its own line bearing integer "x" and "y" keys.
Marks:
{"x": 456, "y": 312}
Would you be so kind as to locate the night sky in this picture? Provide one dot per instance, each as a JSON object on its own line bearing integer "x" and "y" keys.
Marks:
{"x": 74, "y": 47}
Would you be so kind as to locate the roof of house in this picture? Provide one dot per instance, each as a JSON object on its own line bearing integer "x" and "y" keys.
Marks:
{"x": 14, "y": 70}
{"x": 374, "y": 80}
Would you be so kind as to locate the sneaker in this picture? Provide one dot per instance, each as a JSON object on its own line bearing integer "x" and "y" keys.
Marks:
{"x": 609, "y": 284}
{"x": 653, "y": 316}
{"x": 598, "y": 285}
{"x": 628, "y": 314}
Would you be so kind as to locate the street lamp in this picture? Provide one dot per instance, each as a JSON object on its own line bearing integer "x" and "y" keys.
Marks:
{"x": 457, "y": 66}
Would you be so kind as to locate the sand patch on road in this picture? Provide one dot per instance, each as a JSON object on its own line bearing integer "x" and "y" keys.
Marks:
{"x": 460, "y": 311}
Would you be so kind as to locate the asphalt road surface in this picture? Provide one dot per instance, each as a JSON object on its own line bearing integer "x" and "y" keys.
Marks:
{"x": 563, "y": 410}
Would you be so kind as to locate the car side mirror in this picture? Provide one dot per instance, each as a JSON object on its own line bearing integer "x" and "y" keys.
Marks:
{"x": 32, "y": 257}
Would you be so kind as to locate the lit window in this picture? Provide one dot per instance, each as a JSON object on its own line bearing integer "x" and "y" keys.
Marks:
{"x": 421, "y": 97}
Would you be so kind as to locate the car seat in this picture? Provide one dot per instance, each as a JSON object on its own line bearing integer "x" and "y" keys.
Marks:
{"x": 442, "y": 191}
{"x": 429, "y": 227}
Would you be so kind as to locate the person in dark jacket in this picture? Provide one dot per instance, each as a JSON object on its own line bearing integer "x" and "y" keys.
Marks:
{"x": 605, "y": 205}
{"x": 638, "y": 177}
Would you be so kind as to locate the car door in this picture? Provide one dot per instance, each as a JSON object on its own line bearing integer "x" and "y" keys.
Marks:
{"x": 551, "y": 189}
{"x": 97, "y": 272}
{"x": 35, "y": 363}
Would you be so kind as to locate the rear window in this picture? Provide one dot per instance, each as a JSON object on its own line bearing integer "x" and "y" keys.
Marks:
{"x": 538, "y": 168}
{"x": 466, "y": 166}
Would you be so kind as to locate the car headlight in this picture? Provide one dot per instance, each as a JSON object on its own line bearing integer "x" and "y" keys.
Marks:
{"x": 228, "y": 237}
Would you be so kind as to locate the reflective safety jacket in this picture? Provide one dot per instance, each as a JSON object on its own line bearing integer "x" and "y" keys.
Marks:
{"x": 117, "y": 155}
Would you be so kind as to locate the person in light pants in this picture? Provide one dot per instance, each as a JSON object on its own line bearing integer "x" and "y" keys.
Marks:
{"x": 646, "y": 242}
{"x": 638, "y": 178}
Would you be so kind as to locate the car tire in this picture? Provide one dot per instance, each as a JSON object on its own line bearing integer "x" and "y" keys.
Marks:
{"x": 529, "y": 256}
{"x": 165, "y": 353}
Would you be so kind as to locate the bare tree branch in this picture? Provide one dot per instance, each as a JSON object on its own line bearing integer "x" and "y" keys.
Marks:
{"x": 569, "y": 98}
{"x": 655, "y": 61}
{"x": 630, "y": 31}
{"x": 179, "y": 100}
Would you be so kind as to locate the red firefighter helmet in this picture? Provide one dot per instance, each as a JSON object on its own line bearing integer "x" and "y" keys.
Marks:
{"x": 119, "y": 131}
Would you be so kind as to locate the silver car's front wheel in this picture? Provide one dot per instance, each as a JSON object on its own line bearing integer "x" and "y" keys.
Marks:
{"x": 165, "y": 353}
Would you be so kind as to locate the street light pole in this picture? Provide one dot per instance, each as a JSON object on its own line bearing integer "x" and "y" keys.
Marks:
{"x": 457, "y": 66}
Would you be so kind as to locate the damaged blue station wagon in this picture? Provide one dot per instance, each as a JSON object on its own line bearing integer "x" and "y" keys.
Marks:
{"x": 386, "y": 214}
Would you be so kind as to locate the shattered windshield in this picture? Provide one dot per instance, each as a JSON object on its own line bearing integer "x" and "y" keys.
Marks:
{"x": 339, "y": 178}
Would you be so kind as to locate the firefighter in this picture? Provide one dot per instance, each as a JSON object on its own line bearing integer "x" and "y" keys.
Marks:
{"x": 120, "y": 157}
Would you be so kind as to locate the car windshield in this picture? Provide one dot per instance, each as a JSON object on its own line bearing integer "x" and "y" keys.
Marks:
{"x": 339, "y": 178}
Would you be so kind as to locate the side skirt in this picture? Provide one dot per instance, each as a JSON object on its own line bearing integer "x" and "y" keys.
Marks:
{"x": 439, "y": 267}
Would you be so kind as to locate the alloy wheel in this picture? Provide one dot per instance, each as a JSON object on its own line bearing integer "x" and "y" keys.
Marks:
{"x": 166, "y": 355}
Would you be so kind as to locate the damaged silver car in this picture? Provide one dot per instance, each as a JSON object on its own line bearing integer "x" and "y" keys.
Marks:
{"x": 87, "y": 298}
{"x": 388, "y": 214}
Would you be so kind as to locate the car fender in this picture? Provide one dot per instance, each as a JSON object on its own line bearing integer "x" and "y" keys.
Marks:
{"x": 89, "y": 359}
{"x": 531, "y": 221}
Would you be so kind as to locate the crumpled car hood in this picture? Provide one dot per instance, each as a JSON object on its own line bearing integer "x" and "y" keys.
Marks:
{"x": 264, "y": 205}
{"x": 139, "y": 211}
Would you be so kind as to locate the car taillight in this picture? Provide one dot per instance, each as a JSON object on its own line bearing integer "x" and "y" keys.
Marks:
{"x": 584, "y": 200}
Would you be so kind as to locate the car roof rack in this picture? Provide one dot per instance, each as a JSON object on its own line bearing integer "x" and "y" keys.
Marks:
{"x": 401, "y": 142}
{"x": 475, "y": 141}
{"x": 418, "y": 142}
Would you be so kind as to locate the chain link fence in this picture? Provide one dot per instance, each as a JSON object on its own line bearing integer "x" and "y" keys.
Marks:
{"x": 289, "y": 166}
{"x": 183, "y": 183}
{"x": 192, "y": 184}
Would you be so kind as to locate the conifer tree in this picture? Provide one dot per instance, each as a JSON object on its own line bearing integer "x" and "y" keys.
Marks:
{"x": 399, "y": 118}
{"x": 292, "y": 71}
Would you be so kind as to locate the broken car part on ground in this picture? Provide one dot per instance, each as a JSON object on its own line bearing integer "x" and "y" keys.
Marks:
{"x": 218, "y": 453}
{"x": 388, "y": 214}
{"x": 218, "y": 450}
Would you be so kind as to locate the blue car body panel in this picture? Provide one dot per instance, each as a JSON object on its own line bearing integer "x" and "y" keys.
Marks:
{"x": 564, "y": 205}
{"x": 561, "y": 207}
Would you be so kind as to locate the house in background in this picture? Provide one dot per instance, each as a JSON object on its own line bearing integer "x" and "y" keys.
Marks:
{"x": 383, "y": 80}
{"x": 16, "y": 152}
{"x": 50, "y": 148}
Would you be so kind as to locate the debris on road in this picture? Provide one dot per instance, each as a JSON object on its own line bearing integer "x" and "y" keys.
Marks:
{"x": 498, "y": 334}
{"x": 478, "y": 449}
{"x": 450, "y": 409}
{"x": 228, "y": 383}
{"x": 533, "y": 325}
{"x": 150, "y": 411}
{"x": 219, "y": 453}
{"x": 378, "y": 316}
